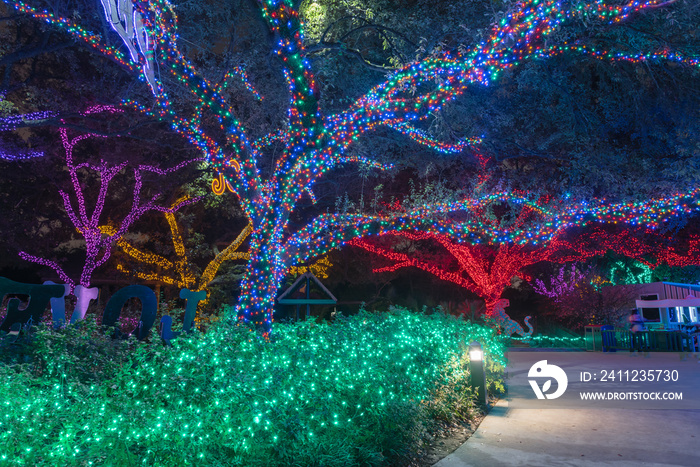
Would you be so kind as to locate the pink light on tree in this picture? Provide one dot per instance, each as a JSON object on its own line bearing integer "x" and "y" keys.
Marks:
{"x": 99, "y": 240}
{"x": 560, "y": 285}
{"x": 316, "y": 141}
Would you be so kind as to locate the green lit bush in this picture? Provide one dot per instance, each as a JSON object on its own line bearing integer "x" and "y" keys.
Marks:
{"x": 364, "y": 390}
{"x": 83, "y": 352}
{"x": 543, "y": 341}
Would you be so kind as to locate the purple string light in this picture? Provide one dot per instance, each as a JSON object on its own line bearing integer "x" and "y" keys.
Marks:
{"x": 560, "y": 285}
{"x": 12, "y": 122}
{"x": 20, "y": 156}
{"x": 98, "y": 239}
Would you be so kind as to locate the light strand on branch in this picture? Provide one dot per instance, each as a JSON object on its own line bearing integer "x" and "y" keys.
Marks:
{"x": 315, "y": 143}
{"x": 98, "y": 243}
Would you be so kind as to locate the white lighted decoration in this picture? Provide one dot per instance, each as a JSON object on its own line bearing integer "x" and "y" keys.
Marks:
{"x": 58, "y": 305}
{"x": 128, "y": 23}
{"x": 84, "y": 295}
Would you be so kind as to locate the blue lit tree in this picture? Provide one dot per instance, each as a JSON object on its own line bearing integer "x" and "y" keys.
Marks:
{"x": 315, "y": 142}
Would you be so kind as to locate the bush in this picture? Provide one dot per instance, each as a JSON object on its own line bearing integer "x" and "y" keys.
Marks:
{"x": 364, "y": 390}
{"x": 83, "y": 352}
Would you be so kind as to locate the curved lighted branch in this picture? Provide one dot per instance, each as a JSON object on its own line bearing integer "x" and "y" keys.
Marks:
{"x": 13, "y": 122}
{"x": 180, "y": 273}
{"x": 228, "y": 253}
{"x": 315, "y": 143}
{"x": 421, "y": 137}
{"x": 52, "y": 264}
{"x": 98, "y": 243}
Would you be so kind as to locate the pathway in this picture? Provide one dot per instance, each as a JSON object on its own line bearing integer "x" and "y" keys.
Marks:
{"x": 618, "y": 437}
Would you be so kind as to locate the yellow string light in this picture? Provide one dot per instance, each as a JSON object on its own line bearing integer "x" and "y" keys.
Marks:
{"x": 148, "y": 277}
{"x": 319, "y": 268}
{"x": 180, "y": 268}
{"x": 228, "y": 253}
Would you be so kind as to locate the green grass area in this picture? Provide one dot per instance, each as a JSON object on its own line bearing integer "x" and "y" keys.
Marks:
{"x": 364, "y": 390}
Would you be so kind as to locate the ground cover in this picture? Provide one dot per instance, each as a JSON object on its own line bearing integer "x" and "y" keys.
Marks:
{"x": 365, "y": 390}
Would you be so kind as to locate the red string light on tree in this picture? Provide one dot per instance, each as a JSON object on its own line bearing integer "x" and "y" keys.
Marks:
{"x": 315, "y": 143}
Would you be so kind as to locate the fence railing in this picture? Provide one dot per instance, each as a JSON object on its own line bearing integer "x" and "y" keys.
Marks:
{"x": 648, "y": 341}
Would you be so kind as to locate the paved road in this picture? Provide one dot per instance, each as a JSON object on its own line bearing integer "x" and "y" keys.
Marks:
{"x": 511, "y": 436}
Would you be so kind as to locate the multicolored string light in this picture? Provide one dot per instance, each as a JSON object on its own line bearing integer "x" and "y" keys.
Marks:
{"x": 315, "y": 143}
{"x": 461, "y": 222}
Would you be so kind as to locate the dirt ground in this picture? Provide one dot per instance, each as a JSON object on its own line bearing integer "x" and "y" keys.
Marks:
{"x": 444, "y": 445}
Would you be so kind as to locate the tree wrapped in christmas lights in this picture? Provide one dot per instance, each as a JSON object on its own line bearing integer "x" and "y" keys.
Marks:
{"x": 100, "y": 238}
{"x": 486, "y": 270}
{"x": 315, "y": 142}
{"x": 544, "y": 230}
{"x": 180, "y": 272}
{"x": 602, "y": 292}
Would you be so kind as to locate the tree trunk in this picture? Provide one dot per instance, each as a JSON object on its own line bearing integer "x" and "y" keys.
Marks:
{"x": 260, "y": 282}
{"x": 490, "y": 305}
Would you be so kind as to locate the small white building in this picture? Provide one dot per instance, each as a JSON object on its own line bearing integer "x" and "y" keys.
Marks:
{"x": 669, "y": 306}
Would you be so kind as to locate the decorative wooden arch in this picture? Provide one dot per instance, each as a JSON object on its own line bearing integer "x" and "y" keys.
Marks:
{"x": 304, "y": 281}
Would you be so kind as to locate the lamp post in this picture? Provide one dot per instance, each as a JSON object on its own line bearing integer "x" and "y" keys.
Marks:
{"x": 477, "y": 372}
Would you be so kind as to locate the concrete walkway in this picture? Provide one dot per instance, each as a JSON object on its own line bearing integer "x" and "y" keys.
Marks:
{"x": 581, "y": 437}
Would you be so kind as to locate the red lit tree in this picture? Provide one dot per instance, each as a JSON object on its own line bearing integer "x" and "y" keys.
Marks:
{"x": 488, "y": 269}
{"x": 485, "y": 270}
{"x": 314, "y": 142}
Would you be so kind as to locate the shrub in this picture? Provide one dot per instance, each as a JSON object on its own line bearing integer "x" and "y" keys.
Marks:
{"x": 364, "y": 390}
{"x": 83, "y": 352}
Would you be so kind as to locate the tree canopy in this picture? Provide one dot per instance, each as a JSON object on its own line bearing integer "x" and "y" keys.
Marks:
{"x": 294, "y": 104}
